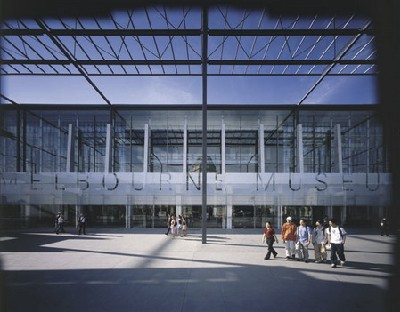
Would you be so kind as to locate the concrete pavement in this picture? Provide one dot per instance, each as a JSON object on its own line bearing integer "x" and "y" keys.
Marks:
{"x": 145, "y": 270}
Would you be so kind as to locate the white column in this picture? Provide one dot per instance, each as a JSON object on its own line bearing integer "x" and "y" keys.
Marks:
{"x": 39, "y": 165}
{"x": 178, "y": 204}
{"x": 329, "y": 211}
{"x": 70, "y": 150}
{"x": 58, "y": 167}
{"x": 349, "y": 164}
{"x": 261, "y": 149}
{"x": 368, "y": 169}
{"x": 343, "y": 214}
{"x": 338, "y": 165}
{"x": 108, "y": 158}
{"x": 185, "y": 139}
{"x": 223, "y": 151}
{"x": 128, "y": 208}
{"x": 279, "y": 217}
{"x": 146, "y": 148}
{"x": 27, "y": 212}
{"x": 229, "y": 212}
{"x": 300, "y": 155}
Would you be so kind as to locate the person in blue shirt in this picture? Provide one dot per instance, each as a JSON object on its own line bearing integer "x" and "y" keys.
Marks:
{"x": 304, "y": 238}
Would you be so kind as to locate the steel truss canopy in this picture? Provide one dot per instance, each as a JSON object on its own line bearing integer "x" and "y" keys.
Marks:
{"x": 159, "y": 40}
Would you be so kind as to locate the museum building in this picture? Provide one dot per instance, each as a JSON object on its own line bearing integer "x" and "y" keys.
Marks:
{"x": 131, "y": 165}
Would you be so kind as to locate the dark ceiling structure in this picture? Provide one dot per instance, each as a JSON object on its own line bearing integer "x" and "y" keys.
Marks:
{"x": 167, "y": 41}
{"x": 159, "y": 40}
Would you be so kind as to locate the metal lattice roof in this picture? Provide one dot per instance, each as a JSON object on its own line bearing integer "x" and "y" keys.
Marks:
{"x": 168, "y": 41}
{"x": 176, "y": 41}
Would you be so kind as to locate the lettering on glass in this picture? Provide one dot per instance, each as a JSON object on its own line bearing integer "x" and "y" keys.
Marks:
{"x": 347, "y": 183}
{"x": 110, "y": 184}
{"x": 261, "y": 181}
{"x": 190, "y": 177}
{"x": 377, "y": 182}
{"x": 265, "y": 182}
{"x": 291, "y": 185}
{"x": 322, "y": 183}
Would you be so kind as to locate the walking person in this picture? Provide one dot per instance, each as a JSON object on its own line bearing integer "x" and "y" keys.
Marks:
{"x": 384, "y": 227}
{"x": 82, "y": 224}
{"x": 304, "y": 237}
{"x": 336, "y": 236}
{"x": 169, "y": 219}
{"x": 179, "y": 226}
{"x": 289, "y": 238}
{"x": 270, "y": 238}
{"x": 319, "y": 241}
{"x": 184, "y": 226}
{"x": 59, "y": 222}
{"x": 173, "y": 226}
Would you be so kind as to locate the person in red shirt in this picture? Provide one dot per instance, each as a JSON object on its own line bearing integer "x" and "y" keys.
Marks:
{"x": 269, "y": 238}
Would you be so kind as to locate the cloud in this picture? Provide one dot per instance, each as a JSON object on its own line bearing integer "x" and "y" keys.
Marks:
{"x": 347, "y": 90}
{"x": 165, "y": 91}
{"x": 324, "y": 92}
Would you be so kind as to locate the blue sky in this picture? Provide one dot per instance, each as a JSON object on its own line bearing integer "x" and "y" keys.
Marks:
{"x": 187, "y": 90}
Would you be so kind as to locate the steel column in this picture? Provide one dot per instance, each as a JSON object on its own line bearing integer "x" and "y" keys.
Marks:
{"x": 204, "y": 58}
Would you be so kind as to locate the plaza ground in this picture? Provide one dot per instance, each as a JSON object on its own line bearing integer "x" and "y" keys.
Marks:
{"x": 145, "y": 270}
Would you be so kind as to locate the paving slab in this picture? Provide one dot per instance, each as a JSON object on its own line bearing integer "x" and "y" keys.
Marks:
{"x": 145, "y": 270}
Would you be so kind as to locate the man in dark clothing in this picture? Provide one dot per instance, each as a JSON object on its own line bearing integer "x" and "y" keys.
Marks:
{"x": 82, "y": 224}
{"x": 384, "y": 227}
{"x": 169, "y": 219}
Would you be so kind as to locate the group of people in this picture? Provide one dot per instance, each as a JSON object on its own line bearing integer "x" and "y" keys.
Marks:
{"x": 60, "y": 221}
{"x": 177, "y": 226}
{"x": 298, "y": 238}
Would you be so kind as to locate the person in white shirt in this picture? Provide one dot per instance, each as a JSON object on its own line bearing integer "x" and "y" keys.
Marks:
{"x": 319, "y": 241}
{"x": 336, "y": 236}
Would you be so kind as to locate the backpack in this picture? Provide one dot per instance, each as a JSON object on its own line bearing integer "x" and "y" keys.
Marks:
{"x": 340, "y": 231}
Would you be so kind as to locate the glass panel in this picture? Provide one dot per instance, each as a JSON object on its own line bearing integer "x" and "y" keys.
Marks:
{"x": 241, "y": 151}
{"x": 317, "y": 140}
{"x": 166, "y": 150}
{"x": 192, "y": 215}
{"x": 355, "y": 151}
{"x": 105, "y": 216}
{"x": 267, "y": 213}
{"x": 297, "y": 213}
{"x": 8, "y": 142}
{"x": 279, "y": 144}
{"x": 216, "y": 216}
{"x": 244, "y": 217}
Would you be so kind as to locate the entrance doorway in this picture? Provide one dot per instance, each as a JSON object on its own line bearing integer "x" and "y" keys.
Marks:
{"x": 216, "y": 216}
{"x": 147, "y": 216}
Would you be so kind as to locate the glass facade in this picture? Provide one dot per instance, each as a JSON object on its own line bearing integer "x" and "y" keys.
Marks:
{"x": 128, "y": 166}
